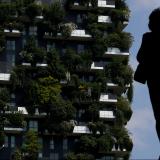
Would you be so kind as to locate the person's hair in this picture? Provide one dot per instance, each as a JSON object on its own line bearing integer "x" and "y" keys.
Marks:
{"x": 154, "y": 20}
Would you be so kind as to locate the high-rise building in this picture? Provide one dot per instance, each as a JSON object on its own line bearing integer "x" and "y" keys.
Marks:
{"x": 65, "y": 82}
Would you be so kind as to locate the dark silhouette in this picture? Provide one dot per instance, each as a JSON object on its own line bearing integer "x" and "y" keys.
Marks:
{"x": 148, "y": 69}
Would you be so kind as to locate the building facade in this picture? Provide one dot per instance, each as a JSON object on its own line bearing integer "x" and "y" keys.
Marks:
{"x": 64, "y": 76}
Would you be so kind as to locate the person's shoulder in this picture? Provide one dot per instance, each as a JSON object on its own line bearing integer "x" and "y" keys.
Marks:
{"x": 147, "y": 34}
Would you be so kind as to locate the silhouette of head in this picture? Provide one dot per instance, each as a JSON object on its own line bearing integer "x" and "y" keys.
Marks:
{"x": 154, "y": 20}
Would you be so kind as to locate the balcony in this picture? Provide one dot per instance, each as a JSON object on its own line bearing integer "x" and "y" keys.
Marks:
{"x": 104, "y": 19}
{"x": 109, "y": 98}
{"x": 88, "y": 6}
{"x": 81, "y": 130}
{"x": 41, "y": 65}
{"x": 13, "y": 129}
{"x": 12, "y": 33}
{"x": 26, "y": 64}
{"x": 106, "y": 115}
{"x": 106, "y": 3}
{"x": 112, "y": 51}
{"x": 79, "y": 35}
{"x": 97, "y": 66}
{"x": 5, "y": 77}
{"x": 23, "y": 110}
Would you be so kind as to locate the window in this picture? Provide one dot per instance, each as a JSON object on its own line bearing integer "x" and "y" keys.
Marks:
{"x": 33, "y": 30}
{"x": 51, "y": 144}
{"x": 10, "y": 45}
{"x": 50, "y": 46}
{"x": 33, "y": 125}
{"x": 80, "y": 48}
{"x": 40, "y": 142}
{"x": 40, "y": 155}
{"x": 81, "y": 111}
{"x": 108, "y": 158}
{"x": 54, "y": 156}
{"x": 12, "y": 141}
{"x": 65, "y": 144}
{"x": 23, "y": 43}
{"x": 79, "y": 18}
{"x": 6, "y": 141}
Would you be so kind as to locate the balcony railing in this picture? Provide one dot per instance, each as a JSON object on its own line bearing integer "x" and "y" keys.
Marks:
{"x": 106, "y": 114}
{"x": 80, "y": 33}
{"x": 97, "y": 67}
{"x": 104, "y": 19}
{"x": 5, "y": 76}
{"x": 12, "y": 33}
{"x": 112, "y": 51}
{"x": 101, "y": 3}
{"x": 41, "y": 65}
{"x": 106, "y": 3}
{"x": 81, "y": 130}
{"x": 13, "y": 129}
{"x": 108, "y": 98}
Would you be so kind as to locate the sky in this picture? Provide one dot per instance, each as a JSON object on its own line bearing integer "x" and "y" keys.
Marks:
{"x": 142, "y": 123}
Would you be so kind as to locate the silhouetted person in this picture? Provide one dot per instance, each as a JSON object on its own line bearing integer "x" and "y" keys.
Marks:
{"x": 148, "y": 69}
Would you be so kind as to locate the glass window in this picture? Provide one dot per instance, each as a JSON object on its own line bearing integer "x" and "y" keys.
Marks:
{"x": 10, "y": 45}
{"x": 50, "y": 46}
{"x": 79, "y": 18}
{"x": 33, "y": 125}
{"x": 65, "y": 144}
{"x": 51, "y": 144}
{"x": 80, "y": 48}
{"x": 12, "y": 141}
{"x": 40, "y": 142}
{"x": 33, "y": 30}
{"x": 6, "y": 141}
{"x": 54, "y": 156}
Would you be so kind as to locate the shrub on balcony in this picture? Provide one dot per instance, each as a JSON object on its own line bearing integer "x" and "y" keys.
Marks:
{"x": 54, "y": 13}
{"x": 66, "y": 127}
{"x": 119, "y": 73}
{"x": 4, "y": 97}
{"x": 71, "y": 59}
{"x": 67, "y": 28}
{"x": 15, "y": 120}
{"x": 33, "y": 10}
{"x": 61, "y": 110}
{"x": 122, "y": 137}
{"x": 104, "y": 143}
{"x": 92, "y": 112}
{"x": 87, "y": 144}
{"x": 32, "y": 53}
{"x": 124, "y": 106}
{"x": 55, "y": 66}
{"x": 122, "y": 40}
{"x": 6, "y": 11}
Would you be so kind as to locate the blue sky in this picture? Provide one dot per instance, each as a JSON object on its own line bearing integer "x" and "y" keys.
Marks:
{"x": 142, "y": 124}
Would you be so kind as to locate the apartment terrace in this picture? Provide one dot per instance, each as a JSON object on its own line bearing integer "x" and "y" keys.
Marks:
{"x": 115, "y": 52}
{"x": 12, "y": 33}
{"x": 78, "y": 35}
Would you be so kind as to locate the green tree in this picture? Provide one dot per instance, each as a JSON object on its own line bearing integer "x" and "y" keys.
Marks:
{"x": 55, "y": 66}
{"x": 31, "y": 145}
{"x": 17, "y": 155}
